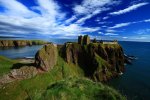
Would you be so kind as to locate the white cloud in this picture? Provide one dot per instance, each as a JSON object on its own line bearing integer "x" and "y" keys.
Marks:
{"x": 120, "y": 25}
{"x": 83, "y": 19}
{"x": 147, "y": 20}
{"x": 70, "y": 19}
{"x": 110, "y": 31}
{"x": 18, "y": 19}
{"x": 90, "y": 8}
{"x": 104, "y": 18}
{"x": 130, "y": 8}
{"x": 111, "y": 34}
{"x": 98, "y": 19}
{"x": 125, "y": 37}
{"x": 14, "y": 8}
{"x": 100, "y": 33}
{"x": 127, "y": 24}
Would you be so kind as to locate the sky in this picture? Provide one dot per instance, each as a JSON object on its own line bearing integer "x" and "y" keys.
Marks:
{"x": 124, "y": 20}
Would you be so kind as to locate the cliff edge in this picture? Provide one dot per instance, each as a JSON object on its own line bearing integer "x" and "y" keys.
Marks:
{"x": 98, "y": 61}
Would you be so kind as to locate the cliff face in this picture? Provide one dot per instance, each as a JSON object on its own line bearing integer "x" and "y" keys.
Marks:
{"x": 16, "y": 43}
{"x": 46, "y": 58}
{"x": 98, "y": 61}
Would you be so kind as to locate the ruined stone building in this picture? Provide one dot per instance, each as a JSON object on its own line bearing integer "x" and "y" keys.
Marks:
{"x": 84, "y": 40}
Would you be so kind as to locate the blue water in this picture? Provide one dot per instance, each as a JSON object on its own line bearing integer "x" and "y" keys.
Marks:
{"x": 134, "y": 83}
{"x": 19, "y": 52}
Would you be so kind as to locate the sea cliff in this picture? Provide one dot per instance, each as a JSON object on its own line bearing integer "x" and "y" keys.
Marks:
{"x": 64, "y": 72}
{"x": 98, "y": 61}
{"x": 17, "y": 43}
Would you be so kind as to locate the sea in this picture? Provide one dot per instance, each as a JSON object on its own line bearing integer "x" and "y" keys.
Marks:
{"x": 135, "y": 81}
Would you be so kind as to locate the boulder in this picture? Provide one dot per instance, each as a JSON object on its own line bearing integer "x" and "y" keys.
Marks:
{"x": 46, "y": 57}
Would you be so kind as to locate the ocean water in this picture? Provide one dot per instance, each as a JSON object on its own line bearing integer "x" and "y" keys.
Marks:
{"x": 134, "y": 83}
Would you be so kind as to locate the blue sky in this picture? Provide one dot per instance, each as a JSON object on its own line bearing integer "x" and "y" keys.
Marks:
{"x": 126, "y": 20}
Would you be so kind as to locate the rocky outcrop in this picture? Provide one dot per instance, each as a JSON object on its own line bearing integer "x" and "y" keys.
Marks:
{"x": 98, "y": 61}
{"x": 46, "y": 57}
{"x": 16, "y": 43}
{"x": 24, "y": 72}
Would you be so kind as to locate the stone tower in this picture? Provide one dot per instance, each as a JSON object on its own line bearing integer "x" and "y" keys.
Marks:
{"x": 84, "y": 40}
{"x": 80, "y": 39}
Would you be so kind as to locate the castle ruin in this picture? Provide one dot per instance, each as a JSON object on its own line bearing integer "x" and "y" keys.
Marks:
{"x": 84, "y": 40}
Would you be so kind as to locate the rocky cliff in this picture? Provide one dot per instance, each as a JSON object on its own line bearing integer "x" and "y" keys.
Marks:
{"x": 46, "y": 58}
{"x": 65, "y": 74}
{"x": 16, "y": 43}
{"x": 98, "y": 61}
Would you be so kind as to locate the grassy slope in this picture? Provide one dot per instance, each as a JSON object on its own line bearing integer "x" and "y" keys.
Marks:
{"x": 28, "y": 88}
{"x": 79, "y": 89}
{"x": 5, "y": 65}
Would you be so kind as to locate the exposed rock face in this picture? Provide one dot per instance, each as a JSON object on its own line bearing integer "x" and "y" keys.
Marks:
{"x": 99, "y": 61}
{"x": 46, "y": 58}
{"x": 24, "y": 72}
{"x": 16, "y": 43}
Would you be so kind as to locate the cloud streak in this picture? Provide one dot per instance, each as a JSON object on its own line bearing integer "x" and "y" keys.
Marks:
{"x": 129, "y": 9}
{"x": 120, "y": 25}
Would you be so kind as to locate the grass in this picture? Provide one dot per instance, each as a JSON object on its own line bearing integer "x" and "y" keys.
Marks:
{"x": 79, "y": 89}
{"x": 5, "y": 65}
{"x": 23, "y": 89}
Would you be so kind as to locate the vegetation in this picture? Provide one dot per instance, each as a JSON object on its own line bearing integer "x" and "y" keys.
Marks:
{"x": 28, "y": 88}
{"x": 63, "y": 88}
{"x": 79, "y": 89}
{"x": 5, "y": 65}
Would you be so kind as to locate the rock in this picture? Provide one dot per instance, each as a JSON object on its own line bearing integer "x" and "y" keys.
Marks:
{"x": 24, "y": 72}
{"x": 46, "y": 58}
{"x": 16, "y": 43}
{"x": 98, "y": 61}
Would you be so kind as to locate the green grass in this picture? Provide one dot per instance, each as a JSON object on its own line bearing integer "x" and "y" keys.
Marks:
{"x": 5, "y": 65}
{"x": 79, "y": 89}
{"x": 28, "y": 88}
